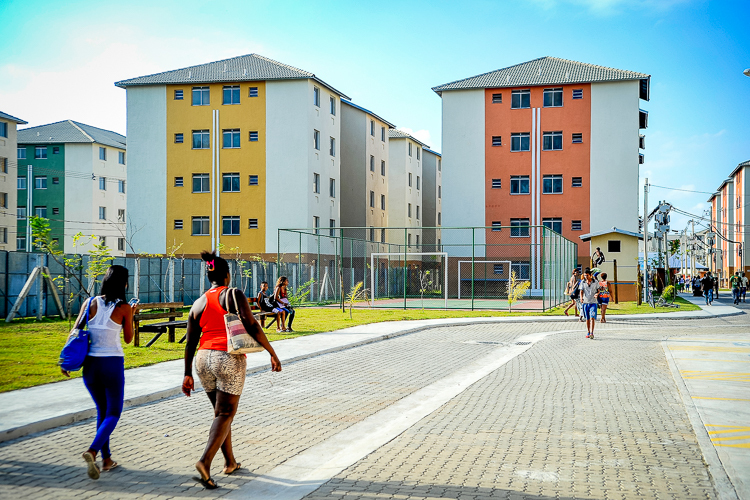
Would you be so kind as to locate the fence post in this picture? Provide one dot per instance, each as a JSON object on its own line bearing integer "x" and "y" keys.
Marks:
{"x": 614, "y": 262}
{"x": 170, "y": 268}
{"x": 472, "y": 268}
{"x": 406, "y": 249}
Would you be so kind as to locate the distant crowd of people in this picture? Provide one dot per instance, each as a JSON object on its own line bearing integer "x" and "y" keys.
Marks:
{"x": 587, "y": 294}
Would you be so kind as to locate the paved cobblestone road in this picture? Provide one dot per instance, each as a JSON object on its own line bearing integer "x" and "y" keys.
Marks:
{"x": 569, "y": 418}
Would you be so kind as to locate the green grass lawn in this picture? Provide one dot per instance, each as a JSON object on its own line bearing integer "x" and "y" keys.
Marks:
{"x": 29, "y": 349}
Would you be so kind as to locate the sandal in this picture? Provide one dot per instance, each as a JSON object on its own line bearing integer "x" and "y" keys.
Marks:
{"x": 107, "y": 469}
{"x": 238, "y": 467}
{"x": 209, "y": 483}
{"x": 93, "y": 469}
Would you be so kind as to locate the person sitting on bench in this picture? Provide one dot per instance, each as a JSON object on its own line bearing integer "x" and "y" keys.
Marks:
{"x": 268, "y": 305}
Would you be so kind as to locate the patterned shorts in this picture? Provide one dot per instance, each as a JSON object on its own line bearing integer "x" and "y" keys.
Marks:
{"x": 221, "y": 370}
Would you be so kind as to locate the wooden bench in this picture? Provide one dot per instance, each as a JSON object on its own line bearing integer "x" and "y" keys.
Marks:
{"x": 259, "y": 314}
{"x": 157, "y": 310}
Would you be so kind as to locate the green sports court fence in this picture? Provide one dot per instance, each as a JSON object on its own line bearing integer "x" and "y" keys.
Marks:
{"x": 428, "y": 267}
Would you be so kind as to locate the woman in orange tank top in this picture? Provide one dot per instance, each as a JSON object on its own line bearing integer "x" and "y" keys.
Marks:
{"x": 222, "y": 374}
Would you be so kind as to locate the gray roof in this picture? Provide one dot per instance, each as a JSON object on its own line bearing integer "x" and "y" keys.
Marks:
{"x": 68, "y": 131}
{"x": 350, "y": 103}
{"x": 400, "y": 134}
{"x": 428, "y": 150}
{"x": 542, "y": 71}
{"x": 740, "y": 167}
{"x": 10, "y": 118}
{"x": 588, "y": 236}
{"x": 247, "y": 68}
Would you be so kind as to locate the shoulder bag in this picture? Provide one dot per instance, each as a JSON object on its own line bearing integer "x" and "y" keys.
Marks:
{"x": 77, "y": 346}
{"x": 238, "y": 340}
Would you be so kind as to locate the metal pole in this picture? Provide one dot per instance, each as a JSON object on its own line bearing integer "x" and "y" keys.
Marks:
{"x": 472, "y": 267}
{"x": 30, "y": 206}
{"x": 645, "y": 241}
{"x": 406, "y": 248}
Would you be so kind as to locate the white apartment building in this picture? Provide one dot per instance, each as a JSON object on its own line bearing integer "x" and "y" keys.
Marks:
{"x": 405, "y": 179}
{"x": 8, "y": 164}
{"x": 432, "y": 198}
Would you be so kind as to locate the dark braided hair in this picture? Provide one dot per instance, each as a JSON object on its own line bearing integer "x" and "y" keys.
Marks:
{"x": 216, "y": 267}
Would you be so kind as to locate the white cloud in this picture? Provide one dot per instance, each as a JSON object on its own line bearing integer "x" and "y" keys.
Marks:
{"x": 610, "y": 7}
{"x": 423, "y": 135}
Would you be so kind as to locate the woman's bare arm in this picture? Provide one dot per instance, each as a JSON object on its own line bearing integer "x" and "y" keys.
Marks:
{"x": 192, "y": 338}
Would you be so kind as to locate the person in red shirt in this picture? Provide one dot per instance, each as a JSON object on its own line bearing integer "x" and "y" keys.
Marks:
{"x": 222, "y": 374}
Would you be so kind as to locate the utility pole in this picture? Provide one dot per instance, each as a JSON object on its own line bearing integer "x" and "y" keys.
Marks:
{"x": 645, "y": 241}
{"x": 29, "y": 205}
{"x": 692, "y": 248}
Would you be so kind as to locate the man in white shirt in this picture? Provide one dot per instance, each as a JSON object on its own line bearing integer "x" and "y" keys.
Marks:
{"x": 589, "y": 292}
{"x": 743, "y": 286}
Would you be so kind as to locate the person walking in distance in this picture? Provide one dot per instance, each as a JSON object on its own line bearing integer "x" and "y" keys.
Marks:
{"x": 707, "y": 285}
{"x": 572, "y": 292}
{"x": 598, "y": 257}
{"x": 604, "y": 295}
{"x": 589, "y": 293}
{"x": 736, "y": 282}
{"x": 743, "y": 286}
{"x": 222, "y": 374}
{"x": 104, "y": 366}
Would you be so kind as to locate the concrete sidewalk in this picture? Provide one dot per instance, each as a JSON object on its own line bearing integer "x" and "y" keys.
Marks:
{"x": 36, "y": 409}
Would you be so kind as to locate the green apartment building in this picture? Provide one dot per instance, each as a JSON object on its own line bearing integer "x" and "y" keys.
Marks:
{"x": 74, "y": 175}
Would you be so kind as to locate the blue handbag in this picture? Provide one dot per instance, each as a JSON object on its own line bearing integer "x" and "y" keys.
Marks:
{"x": 77, "y": 346}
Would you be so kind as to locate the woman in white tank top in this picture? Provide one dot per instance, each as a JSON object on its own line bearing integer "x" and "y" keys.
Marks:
{"x": 104, "y": 367}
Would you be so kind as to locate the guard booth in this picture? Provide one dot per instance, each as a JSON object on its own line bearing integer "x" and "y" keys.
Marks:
{"x": 620, "y": 248}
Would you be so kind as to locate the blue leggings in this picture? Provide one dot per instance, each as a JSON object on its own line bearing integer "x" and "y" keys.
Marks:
{"x": 105, "y": 379}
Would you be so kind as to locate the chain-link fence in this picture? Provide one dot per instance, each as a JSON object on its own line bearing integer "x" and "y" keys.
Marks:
{"x": 445, "y": 268}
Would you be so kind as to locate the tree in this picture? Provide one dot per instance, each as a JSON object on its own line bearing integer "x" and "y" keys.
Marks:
{"x": 356, "y": 294}
{"x": 516, "y": 289}
{"x": 425, "y": 282}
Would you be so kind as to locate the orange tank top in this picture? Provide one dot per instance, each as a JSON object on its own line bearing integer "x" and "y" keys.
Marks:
{"x": 214, "y": 332}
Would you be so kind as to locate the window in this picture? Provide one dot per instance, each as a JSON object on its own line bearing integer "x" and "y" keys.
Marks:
{"x": 641, "y": 141}
{"x": 333, "y": 105}
{"x": 21, "y": 212}
{"x": 121, "y": 157}
{"x": 121, "y": 244}
{"x": 496, "y": 225}
{"x": 440, "y": 192}
{"x": 102, "y": 213}
{"x": 440, "y": 165}
{"x": 519, "y": 228}
{"x": 230, "y": 225}
{"x": 200, "y": 226}
{"x": 552, "y": 184}
{"x": 230, "y": 183}
{"x": 372, "y": 234}
{"x": 410, "y": 149}
{"x": 3, "y": 235}
{"x": 418, "y": 183}
{"x": 231, "y": 138}
{"x": 103, "y": 154}
{"x": 3, "y": 129}
{"x": 21, "y": 183}
{"x": 332, "y": 149}
{"x": 332, "y": 188}
{"x": 382, "y": 236}
{"x": 252, "y": 223}
{"x": 55, "y": 211}
{"x": 417, "y": 212}
{"x": 332, "y": 227}
{"x": 231, "y": 94}
{"x": 3, "y": 200}
{"x": 551, "y": 141}
{"x": 179, "y": 182}
{"x": 577, "y": 182}
{"x": 201, "y": 139}
{"x": 372, "y": 199}
{"x": 497, "y": 98}
{"x": 21, "y": 243}
{"x": 56, "y": 150}
{"x": 644, "y": 89}
{"x": 521, "y": 269}
{"x": 408, "y": 239}
{"x": 121, "y": 186}
{"x": 253, "y": 92}
{"x": 575, "y": 225}
{"x": 418, "y": 149}
{"x": 372, "y": 163}
{"x": 253, "y": 180}
{"x": 316, "y": 224}
{"x": 21, "y": 153}
{"x": 179, "y": 95}
{"x": 55, "y": 180}
{"x": 497, "y": 140}
{"x": 519, "y": 184}
{"x": 408, "y": 211}
{"x": 40, "y": 153}
{"x": 121, "y": 214}
{"x": 613, "y": 246}
{"x": 642, "y": 119}
{"x": 642, "y": 159}
{"x": 520, "y": 99}
{"x": 577, "y": 93}
{"x": 553, "y": 98}
{"x": 253, "y": 136}
{"x": 382, "y": 167}
{"x": 40, "y": 212}
{"x": 382, "y": 134}
{"x": 577, "y": 138}
{"x": 316, "y": 140}
{"x": 179, "y": 138}
{"x": 103, "y": 183}
{"x": 440, "y": 218}
{"x": 201, "y": 96}
{"x": 519, "y": 141}
{"x": 417, "y": 241}
{"x": 40, "y": 182}
{"x": 372, "y": 128}
{"x": 316, "y": 96}
{"x": 200, "y": 183}
{"x": 382, "y": 202}
{"x": 409, "y": 179}
{"x": 498, "y": 269}
{"x": 497, "y": 183}
{"x": 553, "y": 223}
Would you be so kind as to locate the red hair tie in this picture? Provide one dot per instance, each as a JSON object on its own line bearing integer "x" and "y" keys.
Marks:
{"x": 210, "y": 266}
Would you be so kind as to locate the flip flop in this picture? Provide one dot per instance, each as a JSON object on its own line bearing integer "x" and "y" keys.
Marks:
{"x": 114, "y": 465}
{"x": 239, "y": 465}
{"x": 93, "y": 469}
{"x": 209, "y": 483}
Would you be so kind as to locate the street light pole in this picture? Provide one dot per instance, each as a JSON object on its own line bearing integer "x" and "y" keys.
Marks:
{"x": 645, "y": 241}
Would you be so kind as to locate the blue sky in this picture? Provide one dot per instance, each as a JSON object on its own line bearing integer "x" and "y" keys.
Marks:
{"x": 65, "y": 56}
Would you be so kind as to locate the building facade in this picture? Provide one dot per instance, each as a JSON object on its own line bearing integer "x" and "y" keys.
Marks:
{"x": 225, "y": 153}
{"x": 432, "y": 199}
{"x": 548, "y": 142}
{"x": 729, "y": 212}
{"x": 75, "y": 176}
{"x": 8, "y": 179}
{"x": 405, "y": 178}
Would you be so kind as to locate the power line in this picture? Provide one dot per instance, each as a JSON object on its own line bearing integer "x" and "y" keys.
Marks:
{"x": 678, "y": 189}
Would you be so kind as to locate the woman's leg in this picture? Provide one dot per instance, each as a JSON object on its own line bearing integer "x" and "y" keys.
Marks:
{"x": 224, "y": 410}
{"x": 604, "y": 312}
{"x": 291, "y": 318}
{"x": 112, "y": 375}
{"x": 230, "y": 462}
{"x": 93, "y": 380}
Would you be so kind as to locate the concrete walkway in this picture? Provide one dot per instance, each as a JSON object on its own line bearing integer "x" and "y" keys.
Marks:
{"x": 36, "y": 409}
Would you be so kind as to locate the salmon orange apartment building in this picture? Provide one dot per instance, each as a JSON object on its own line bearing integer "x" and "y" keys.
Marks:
{"x": 227, "y": 152}
{"x": 549, "y": 142}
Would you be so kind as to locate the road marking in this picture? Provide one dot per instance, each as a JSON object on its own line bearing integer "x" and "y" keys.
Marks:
{"x": 702, "y": 375}
{"x": 310, "y": 469}
{"x": 730, "y": 429}
{"x": 708, "y": 348}
{"x": 720, "y": 399}
{"x": 716, "y": 360}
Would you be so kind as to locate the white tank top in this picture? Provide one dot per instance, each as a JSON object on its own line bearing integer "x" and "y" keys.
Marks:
{"x": 105, "y": 333}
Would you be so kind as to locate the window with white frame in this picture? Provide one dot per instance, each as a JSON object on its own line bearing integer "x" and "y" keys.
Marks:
{"x": 230, "y": 225}
{"x": 577, "y": 139}
{"x": 253, "y": 136}
{"x": 102, "y": 213}
{"x": 577, "y": 93}
{"x": 519, "y": 184}
{"x": 102, "y": 183}
{"x": 40, "y": 212}
{"x": 252, "y": 223}
{"x": 179, "y": 138}
{"x": 121, "y": 215}
{"x": 316, "y": 183}
{"x": 230, "y": 182}
{"x": 201, "y": 183}
{"x": 178, "y": 224}
{"x": 21, "y": 183}
{"x": 103, "y": 154}
{"x": 230, "y": 138}
{"x": 201, "y": 139}
{"x": 520, "y": 99}
{"x": 21, "y": 212}
{"x": 40, "y": 182}
{"x": 497, "y": 183}
{"x": 316, "y": 96}
{"x": 552, "y": 184}
{"x": 522, "y": 270}
{"x": 497, "y": 98}
{"x": 552, "y": 141}
{"x": 231, "y": 94}
{"x": 576, "y": 182}
{"x": 21, "y": 151}
{"x": 120, "y": 186}
{"x": 200, "y": 226}
{"x": 553, "y": 98}
{"x": 519, "y": 228}
{"x": 179, "y": 95}
{"x": 332, "y": 149}
{"x": 40, "y": 153}
{"x": 3, "y": 129}
{"x": 333, "y": 105}
{"x": 201, "y": 96}
{"x": 497, "y": 140}
{"x": 331, "y": 227}
{"x": 496, "y": 225}
{"x": 121, "y": 244}
{"x": 252, "y": 92}
{"x": 553, "y": 223}
{"x": 179, "y": 182}
{"x": 253, "y": 180}
{"x": 332, "y": 188}
{"x": 121, "y": 157}
{"x": 575, "y": 225}
{"x": 316, "y": 139}
{"x": 519, "y": 141}
{"x": 20, "y": 243}
{"x": 316, "y": 224}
